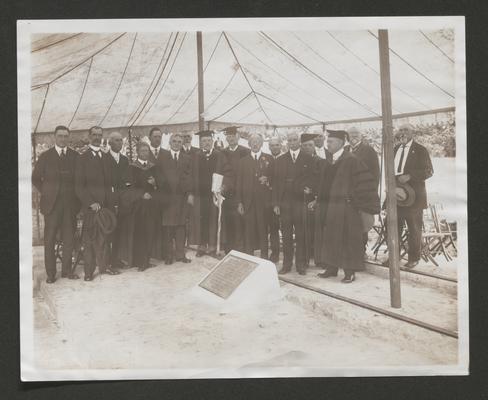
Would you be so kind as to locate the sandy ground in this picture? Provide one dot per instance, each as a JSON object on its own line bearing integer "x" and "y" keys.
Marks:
{"x": 150, "y": 320}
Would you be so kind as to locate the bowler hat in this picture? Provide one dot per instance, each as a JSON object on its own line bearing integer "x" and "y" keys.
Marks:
{"x": 405, "y": 194}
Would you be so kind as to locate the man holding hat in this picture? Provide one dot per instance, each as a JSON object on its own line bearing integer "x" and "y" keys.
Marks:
{"x": 234, "y": 222}
{"x": 208, "y": 163}
{"x": 93, "y": 185}
{"x": 412, "y": 167}
{"x": 293, "y": 175}
{"x": 346, "y": 190}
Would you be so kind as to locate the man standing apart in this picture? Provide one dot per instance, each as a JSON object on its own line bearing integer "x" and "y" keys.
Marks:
{"x": 253, "y": 195}
{"x": 412, "y": 166}
{"x": 346, "y": 190}
{"x": 294, "y": 174}
{"x": 119, "y": 171}
{"x": 274, "y": 145}
{"x": 175, "y": 167}
{"x": 93, "y": 185}
{"x": 53, "y": 176}
{"x": 234, "y": 222}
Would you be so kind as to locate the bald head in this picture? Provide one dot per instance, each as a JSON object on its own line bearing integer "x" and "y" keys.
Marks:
{"x": 355, "y": 135}
{"x": 405, "y": 133}
{"x": 115, "y": 141}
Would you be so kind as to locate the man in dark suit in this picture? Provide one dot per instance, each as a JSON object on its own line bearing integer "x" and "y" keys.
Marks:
{"x": 294, "y": 176}
{"x": 187, "y": 147}
{"x": 234, "y": 222}
{"x": 93, "y": 185}
{"x": 368, "y": 156}
{"x": 175, "y": 169}
{"x": 413, "y": 166}
{"x": 253, "y": 195}
{"x": 53, "y": 176}
{"x": 155, "y": 153}
{"x": 274, "y": 145}
{"x": 119, "y": 171}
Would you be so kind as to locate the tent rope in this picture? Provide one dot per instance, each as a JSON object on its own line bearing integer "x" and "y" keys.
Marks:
{"x": 57, "y": 42}
{"x": 289, "y": 108}
{"x": 415, "y": 69}
{"x": 436, "y": 46}
{"x": 366, "y": 90}
{"x": 165, "y": 80}
{"x": 42, "y": 108}
{"x": 231, "y": 108}
{"x": 82, "y": 93}
{"x": 120, "y": 81}
{"x": 425, "y": 106}
{"x": 81, "y": 63}
{"x": 298, "y": 62}
{"x": 223, "y": 90}
{"x": 246, "y": 78}
{"x": 196, "y": 84}
{"x": 156, "y": 72}
{"x": 282, "y": 76}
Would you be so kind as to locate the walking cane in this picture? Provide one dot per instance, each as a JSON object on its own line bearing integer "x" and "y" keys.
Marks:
{"x": 305, "y": 227}
{"x": 219, "y": 224}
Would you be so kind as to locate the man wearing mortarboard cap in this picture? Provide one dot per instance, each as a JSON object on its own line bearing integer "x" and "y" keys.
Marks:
{"x": 203, "y": 221}
{"x": 346, "y": 190}
{"x": 234, "y": 222}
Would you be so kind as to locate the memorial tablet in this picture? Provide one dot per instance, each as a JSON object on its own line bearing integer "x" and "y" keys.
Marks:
{"x": 228, "y": 275}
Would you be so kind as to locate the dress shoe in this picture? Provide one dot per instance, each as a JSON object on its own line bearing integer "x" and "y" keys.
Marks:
{"x": 200, "y": 253}
{"x": 183, "y": 260}
{"x": 64, "y": 274}
{"x": 110, "y": 271}
{"x": 328, "y": 273}
{"x": 73, "y": 276}
{"x": 88, "y": 278}
{"x": 349, "y": 277}
{"x": 168, "y": 261}
{"x": 284, "y": 271}
{"x": 302, "y": 271}
{"x": 411, "y": 264}
{"x": 50, "y": 279}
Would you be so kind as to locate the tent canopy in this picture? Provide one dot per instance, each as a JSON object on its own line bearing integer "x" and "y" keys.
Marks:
{"x": 262, "y": 78}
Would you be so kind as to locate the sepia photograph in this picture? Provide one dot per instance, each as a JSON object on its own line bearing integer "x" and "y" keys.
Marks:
{"x": 242, "y": 198}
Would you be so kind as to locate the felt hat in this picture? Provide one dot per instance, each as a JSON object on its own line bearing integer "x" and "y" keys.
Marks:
{"x": 405, "y": 194}
{"x": 205, "y": 134}
{"x": 305, "y": 137}
{"x": 230, "y": 130}
{"x": 340, "y": 134}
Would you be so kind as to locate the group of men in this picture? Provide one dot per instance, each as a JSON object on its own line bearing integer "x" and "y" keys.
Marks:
{"x": 321, "y": 198}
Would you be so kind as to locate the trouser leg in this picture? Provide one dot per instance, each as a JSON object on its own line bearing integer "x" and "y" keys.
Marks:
{"x": 287, "y": 230}
{"x": 414, "y": 224}
{"x": 274, "y": 236}
{"x": 179, "y": 235}
{"x": 67, "y": 235}
{"x": 261, "y": 225}
{"x": 51, "y": 226}
{"x": 300, "y": 259}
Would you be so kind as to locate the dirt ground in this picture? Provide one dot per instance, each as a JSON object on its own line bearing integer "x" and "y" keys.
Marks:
{"x": 149, "y": 320}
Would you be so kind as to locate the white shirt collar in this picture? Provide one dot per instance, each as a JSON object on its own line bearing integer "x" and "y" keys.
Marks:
{"x": 153, "y": 149}
{"x": 142, "y": 161}
{"x": 234, "y": 149}
{"x": 295, "y": 153}
{"x": 174, "y": 152}
{"x": 408, "y": 144}
{"x": 115, "y": 155}
{"x": 59, "y": 149}
{"x": 256, "y": 154}
{"x": 94, "y": 148}
{"x": 337, "y": 154}
{"x": 187, "y": 148}
{"x": 209, "y": 152}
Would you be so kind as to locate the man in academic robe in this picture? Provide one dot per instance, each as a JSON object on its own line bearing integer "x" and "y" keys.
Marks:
{"x": 177, "y": 191}
{"x": 119, "y": 171}
{"x": 274, "y": 145}
{"x": 53, "y": 176}
{"x": 204, "y": 218}
{"x": 368, "y": 156}
{"x": 155, "y": 152}
{"x": 347, "y": 195}
{"x": 253, "y": 195}
{"x": 93, "y": 185}
{"x": 413, "y": 167}
{"x": 234, "y": 222}
{"x": 293, "y": 175}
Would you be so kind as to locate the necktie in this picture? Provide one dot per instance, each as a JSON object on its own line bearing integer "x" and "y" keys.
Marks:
{"x": 293, "y": 157}
{"x": 256, "y": 157}
{"x": 97, "y": 153}
{"x": 402, "y": 155}
{"x": 175, "y": 157}
{"x": 63, "y": 154}
{"x": 156, "y": 153}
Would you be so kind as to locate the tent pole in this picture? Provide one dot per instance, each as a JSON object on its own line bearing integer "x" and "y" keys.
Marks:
{"x": 391, "y": 203}
{"x": 201, "y": 120}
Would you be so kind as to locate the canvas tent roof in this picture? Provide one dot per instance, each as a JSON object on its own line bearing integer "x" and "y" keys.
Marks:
{"x": 274, "y": 78}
